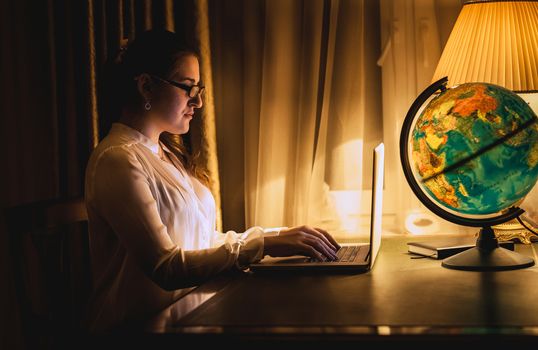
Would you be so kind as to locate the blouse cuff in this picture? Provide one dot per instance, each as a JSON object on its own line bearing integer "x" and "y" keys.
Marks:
{"x": 252, "y": 247}
{"x": 246, "y": 247}
{"x": 273, "y": 231}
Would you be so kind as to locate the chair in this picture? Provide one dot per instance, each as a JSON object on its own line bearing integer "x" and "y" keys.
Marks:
{"x": 50, "y": 260}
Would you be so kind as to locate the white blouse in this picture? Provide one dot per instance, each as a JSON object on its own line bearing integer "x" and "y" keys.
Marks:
{"x": 152, "y": 230}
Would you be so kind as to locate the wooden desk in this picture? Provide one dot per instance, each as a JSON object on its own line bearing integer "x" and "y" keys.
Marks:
{"x": 401, "y": 298}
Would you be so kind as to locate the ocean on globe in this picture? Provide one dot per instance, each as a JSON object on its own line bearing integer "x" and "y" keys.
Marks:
{"x": 455, "y": 128}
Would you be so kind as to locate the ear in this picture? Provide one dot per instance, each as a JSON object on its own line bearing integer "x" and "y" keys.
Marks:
{"x": 144, "y": 85}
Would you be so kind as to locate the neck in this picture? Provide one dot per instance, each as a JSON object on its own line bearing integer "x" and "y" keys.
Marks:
{"x": 143, "y": 125}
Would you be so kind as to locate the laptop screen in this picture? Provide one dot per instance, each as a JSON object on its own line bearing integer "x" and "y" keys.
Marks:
{"x": 364, "y": 258}
{"x": 377, "y": 201}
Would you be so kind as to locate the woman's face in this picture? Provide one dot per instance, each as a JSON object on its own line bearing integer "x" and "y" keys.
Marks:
{"x": 172, "y": 107}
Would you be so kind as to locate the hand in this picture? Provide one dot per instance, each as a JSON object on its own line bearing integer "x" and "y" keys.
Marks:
{"x": 302, "y": 240}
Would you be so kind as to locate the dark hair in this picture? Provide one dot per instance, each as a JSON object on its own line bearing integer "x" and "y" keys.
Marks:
{"x": 153, "y": 52}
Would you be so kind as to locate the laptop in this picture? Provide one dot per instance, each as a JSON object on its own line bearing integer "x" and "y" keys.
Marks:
{"x": 356, "y": 257}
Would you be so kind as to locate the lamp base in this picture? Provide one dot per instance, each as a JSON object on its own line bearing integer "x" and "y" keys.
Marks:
{"x": 514, "y": 230}
{"x": 487, "y": 256}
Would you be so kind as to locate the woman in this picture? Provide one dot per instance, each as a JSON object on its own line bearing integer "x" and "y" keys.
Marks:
{"x": 151, "y": 216}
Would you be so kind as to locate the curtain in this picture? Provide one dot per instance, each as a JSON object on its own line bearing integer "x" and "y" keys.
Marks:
{"x": 298, "y": 110}
{"x": 413, "y": 34}
{"x": 43, "y": 124}
{"x": 303, "y": 92}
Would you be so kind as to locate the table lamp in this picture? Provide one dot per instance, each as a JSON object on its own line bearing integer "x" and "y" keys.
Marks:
{"x": 493, "y": 42}
{"x": 496, "y": 41}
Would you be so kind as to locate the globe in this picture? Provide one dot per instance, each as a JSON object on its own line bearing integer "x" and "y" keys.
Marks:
{"x": 474, "y": 149}
{"x": 470, "y": 154}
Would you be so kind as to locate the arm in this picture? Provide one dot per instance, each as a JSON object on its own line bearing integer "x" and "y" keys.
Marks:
{"x": 123, "y": 198}
{"x": 257, "y": 242}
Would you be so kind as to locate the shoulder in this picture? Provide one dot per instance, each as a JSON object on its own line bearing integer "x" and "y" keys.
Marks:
{"x": 113, "y": 154}
{"x": 115, "y": 170}
{"x": 111, "y": 160}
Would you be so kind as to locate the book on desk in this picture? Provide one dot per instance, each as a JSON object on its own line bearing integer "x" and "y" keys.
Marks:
{"x": 443, "y": 248}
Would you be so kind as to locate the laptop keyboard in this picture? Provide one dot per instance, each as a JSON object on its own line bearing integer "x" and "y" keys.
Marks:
{"x": 347, "y": 253}
{"x": 344, "y": 254}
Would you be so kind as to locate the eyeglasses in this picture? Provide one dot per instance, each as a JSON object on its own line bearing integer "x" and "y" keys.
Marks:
{"x": 193, "y": 91}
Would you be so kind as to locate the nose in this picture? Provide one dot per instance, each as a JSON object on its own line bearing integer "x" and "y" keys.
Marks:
{"x": 196, "y": 102}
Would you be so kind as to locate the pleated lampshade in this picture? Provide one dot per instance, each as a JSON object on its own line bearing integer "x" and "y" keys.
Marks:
{"x": 494, "y": 42}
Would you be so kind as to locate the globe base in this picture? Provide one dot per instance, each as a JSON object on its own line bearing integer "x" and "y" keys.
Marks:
{"x": 487, "y": 256}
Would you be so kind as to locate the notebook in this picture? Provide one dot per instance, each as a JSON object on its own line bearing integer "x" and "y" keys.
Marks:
{"x": 445, "y": 247}
{"x": 356, "y": 257}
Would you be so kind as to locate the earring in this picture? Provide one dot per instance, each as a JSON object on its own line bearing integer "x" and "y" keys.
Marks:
{"x": 147, "y": 106}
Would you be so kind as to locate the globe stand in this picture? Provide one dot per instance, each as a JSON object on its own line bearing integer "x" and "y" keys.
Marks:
{"x": 487, "y": 256}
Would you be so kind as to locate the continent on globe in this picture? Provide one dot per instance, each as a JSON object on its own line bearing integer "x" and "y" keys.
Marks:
{"x": 453, "y": 155}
